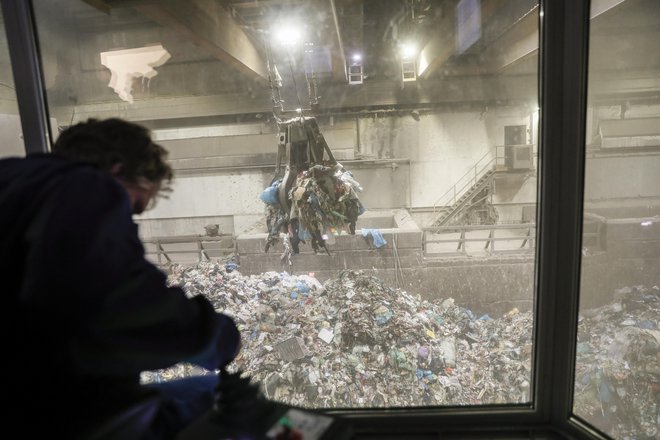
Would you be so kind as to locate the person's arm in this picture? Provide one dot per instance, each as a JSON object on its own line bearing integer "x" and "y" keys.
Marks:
{"x": 145, "y": 325}
{"x": 126, "y": 318}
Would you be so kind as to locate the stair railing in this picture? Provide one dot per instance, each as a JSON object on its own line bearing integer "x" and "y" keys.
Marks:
{"x": 467, "y": 181}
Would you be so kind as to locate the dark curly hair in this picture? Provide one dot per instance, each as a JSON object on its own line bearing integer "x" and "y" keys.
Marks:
{"x": 105, "y": 143}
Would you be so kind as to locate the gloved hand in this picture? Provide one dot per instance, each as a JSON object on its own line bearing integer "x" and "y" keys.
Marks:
{"x": 229, "y": 342}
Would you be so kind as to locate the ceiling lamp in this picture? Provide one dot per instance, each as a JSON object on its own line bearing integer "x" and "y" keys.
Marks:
{"x": 408, "y": 51}
{"x": 355, "y": 71}
{"x": 288, "y": 35}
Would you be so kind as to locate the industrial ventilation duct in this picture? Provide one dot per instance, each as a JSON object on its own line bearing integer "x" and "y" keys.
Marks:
{"x": 629, "y": 133}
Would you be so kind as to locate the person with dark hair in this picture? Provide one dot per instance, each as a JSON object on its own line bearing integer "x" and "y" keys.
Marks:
{"x": 85, "y": 313}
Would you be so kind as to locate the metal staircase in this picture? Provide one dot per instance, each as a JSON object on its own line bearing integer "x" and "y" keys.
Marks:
{"x": 461, "y": 194}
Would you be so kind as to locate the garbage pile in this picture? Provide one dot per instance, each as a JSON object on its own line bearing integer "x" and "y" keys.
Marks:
{"x": 618, "y": 365}
{"x": 356, "y": 342}
{"x": 323, "y": 200}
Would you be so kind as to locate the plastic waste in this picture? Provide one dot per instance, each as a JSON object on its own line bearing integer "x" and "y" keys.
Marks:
{"x": 382, "y": 315}
{"x": 448, "y": 348}
{"x": 270, "y": 194}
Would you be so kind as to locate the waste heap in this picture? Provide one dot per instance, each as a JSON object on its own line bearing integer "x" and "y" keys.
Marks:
{"x": 618, "y": 364}
{"x": 355, "y": 342}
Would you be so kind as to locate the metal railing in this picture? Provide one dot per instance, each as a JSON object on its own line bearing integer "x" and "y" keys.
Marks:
{"x": 166, "y": 250}
{"x": 466, "y": 181}
{"x": 485, "y": 164}
{"x": 454, "y": 240}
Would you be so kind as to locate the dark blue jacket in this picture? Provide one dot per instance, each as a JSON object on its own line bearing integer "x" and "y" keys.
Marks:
{"x": 84, "y": 311}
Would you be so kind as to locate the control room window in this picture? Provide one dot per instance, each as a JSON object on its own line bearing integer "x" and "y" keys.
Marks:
{"x": 617, "y": 365}
{"x": 375, "y": 240}
{"x": 11, "y": 135}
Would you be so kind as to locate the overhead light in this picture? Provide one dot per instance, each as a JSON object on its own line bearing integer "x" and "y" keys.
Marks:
{"x": 408, "y": 50}
{"x": 288, "y": 35}
{"x": 408, "y": 63}
{"x": 355, "y": 72}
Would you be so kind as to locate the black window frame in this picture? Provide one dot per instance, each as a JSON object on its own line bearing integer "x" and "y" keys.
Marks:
{"x": 564, "y": 36}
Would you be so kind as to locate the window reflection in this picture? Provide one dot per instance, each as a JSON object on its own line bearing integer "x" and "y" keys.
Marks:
{"x": 421, "y": 293}
{"x": 618, "y": 337}
{"x": 11, "y": 139}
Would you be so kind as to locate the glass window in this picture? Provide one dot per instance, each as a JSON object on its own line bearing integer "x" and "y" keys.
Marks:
{"x": 618, "y": 347}
{"x": 355, "y": 181}
{"x": 11, "y": 136}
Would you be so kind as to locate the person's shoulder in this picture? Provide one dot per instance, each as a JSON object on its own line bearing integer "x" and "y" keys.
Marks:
{"x": 88, "y": 178}
{"x": 55, "y": 171}
{"x": 29, "y": 168}
{"x": 80, "y": 177}
{"x": 7, "y": 161}
{"x": 17, "y": 161}
{"x": 91, "y": 192}
{"x": 44, "y": 161}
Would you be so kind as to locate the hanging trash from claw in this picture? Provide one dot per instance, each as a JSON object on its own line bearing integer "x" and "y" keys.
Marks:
{"x": 312, "y": 196}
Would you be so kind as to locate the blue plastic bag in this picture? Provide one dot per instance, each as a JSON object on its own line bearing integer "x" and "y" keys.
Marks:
{"x": 269, "y": 195}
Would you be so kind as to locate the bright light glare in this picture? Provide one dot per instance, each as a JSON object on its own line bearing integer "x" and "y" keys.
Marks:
{"x": 408, "y": 50}
{"x": 646, "y": 223}
{"x": 288, "y": 35}
{"x": 357, "y": 57}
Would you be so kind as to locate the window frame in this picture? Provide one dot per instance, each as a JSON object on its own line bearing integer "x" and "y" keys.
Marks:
{"x": 28, "y": 76}
{"x": 563, "y": 52}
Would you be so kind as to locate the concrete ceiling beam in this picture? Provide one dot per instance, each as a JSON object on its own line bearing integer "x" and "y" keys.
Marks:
{"x": 206, "y": 24}
{"x": 440, "y": 47}
{"x": 601, "y": 6}
{"x": 517, "y": 43}
{"x": 338, "y": 55}
{"x": 522, "y": 41}
{"x": 336, "y": 98}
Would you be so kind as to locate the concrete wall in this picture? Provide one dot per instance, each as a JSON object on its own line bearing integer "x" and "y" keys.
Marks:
{"x": 492, "y": 286}
{"x": 603, "y": 274}
{"x": 597, "y": 112}
{"x": 622, "y": 176}
{"x": 512, "y": 193}
{"x": 232, "y": 194}
{"x": 11, "y": 136}
{"x": 401, "y": 162}
{"x": 616, "y": 184}
{"x": 441, "y": 147}
{"x": 252, "y": 140}
{"x": 183, "y": 226}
